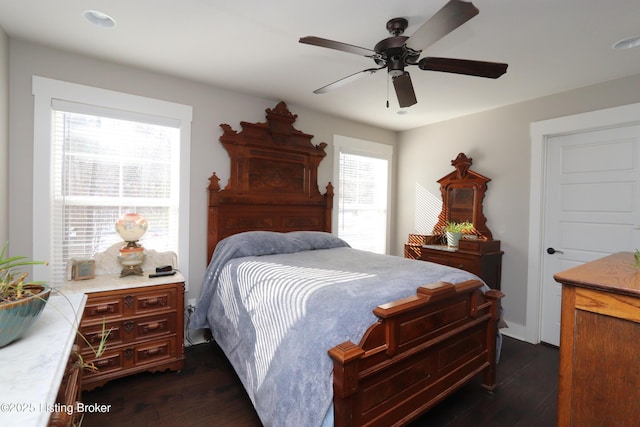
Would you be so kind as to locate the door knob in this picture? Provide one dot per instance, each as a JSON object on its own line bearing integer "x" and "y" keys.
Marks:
{"x": 552, "y": 251}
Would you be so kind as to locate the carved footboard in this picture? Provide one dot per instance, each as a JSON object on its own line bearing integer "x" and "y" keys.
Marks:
{"x": 420, "y": 351}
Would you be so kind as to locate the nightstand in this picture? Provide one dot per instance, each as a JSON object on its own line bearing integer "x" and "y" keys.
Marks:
{"x": 146, "y": 319}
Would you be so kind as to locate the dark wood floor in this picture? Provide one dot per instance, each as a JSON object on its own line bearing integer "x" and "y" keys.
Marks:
{"x": 208, "y": 393}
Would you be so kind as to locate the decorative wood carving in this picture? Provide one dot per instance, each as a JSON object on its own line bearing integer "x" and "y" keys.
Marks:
{"x": 462, "y": 193}
{"x": 421, "y": 350}
{"x": 273, "y": 181}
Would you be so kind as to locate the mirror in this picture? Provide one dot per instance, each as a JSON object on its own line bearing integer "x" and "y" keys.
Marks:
{"x": 462, "y": 196}
{"x": 461, "y": 204}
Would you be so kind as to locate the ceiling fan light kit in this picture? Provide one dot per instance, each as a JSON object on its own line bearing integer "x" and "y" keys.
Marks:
{"x": 397, "y": 52}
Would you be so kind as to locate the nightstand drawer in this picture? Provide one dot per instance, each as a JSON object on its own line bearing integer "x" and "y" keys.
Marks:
{"x": 93, "y": 336}
{"x": 131, "y": 357}
{"x": 153, "y": 351}
{"x": 129, "y": 330}
{"x": 147, "y": 302}
{"x": 154, "y": 326}
{"x": 111, "y": 361}
{"x": 103, "y": 307}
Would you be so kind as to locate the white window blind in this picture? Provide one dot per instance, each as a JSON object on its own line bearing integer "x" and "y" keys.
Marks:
{"x": 362, "y": 190}
{"x": 104, "y": 167}
{"x": 97, "y": 155}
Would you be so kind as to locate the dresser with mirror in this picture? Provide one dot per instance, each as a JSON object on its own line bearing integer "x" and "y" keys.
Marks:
{"x": 462, "y": 192}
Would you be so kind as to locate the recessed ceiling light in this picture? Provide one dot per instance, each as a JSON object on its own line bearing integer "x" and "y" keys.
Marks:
{"x": 627, "y": 43}
{"x": 100, "y": 19}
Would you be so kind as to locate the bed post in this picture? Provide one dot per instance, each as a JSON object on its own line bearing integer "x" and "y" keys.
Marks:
{"x": 345, "y": 384}
{"x": 328, "y": 196}
{"x": 494, "y": 297}
{"x": 212, "y": 218}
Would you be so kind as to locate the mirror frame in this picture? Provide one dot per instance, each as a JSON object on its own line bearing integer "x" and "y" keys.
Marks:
{"x": 463, "y": 178}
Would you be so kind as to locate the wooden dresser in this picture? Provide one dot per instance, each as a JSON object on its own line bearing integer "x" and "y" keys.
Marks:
{"x": 599, "y": 381}
{"x": 482, "y": 258}
{"x": 146, "y": 320}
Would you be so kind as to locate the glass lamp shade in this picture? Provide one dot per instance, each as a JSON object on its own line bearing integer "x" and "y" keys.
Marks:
{"x": 131, "y": 227}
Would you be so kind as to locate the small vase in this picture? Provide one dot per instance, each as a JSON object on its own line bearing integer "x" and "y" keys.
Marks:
{"x": 453, "y": 238}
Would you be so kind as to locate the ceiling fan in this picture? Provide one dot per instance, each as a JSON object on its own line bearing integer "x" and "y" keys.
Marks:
{"x": 397, "y": 52}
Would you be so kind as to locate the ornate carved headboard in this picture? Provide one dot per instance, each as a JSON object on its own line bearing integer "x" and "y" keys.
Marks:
{"x": 273, "y": 184}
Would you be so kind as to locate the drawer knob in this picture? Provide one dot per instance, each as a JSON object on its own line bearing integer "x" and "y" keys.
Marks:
{"x": 101, "y": 363}
{"x": 103, "y": 309}
{"x": 153, "y": 351}
{"x": 151, "y": 326}
{"x": 152, "y": 302}
{"x": 95, "y": 338}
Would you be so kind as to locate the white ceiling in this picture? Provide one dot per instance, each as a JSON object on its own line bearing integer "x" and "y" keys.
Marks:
{"x": 252, "y": 46}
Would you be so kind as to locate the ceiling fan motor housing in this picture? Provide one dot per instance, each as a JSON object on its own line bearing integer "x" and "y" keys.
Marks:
{"x": 392, "y": 53}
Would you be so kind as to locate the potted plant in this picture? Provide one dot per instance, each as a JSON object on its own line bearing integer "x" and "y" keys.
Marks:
{"x": 20, "y": 301}
{"x": 454, "y": 230}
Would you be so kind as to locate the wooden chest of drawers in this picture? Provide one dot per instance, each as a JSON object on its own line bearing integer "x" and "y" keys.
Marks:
{"x": 599, "y": 379}
{"x": 146, "y": 327}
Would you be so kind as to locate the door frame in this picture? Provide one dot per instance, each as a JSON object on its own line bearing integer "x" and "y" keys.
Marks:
{"x": 541, "y": 132}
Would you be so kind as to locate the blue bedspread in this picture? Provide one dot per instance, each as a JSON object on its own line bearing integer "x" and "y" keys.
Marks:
{"x": 277, "y": 302}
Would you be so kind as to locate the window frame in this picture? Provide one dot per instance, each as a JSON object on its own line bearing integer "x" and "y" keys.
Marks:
{"x": 349, "y": 145}
{"x": 45, "y": 91}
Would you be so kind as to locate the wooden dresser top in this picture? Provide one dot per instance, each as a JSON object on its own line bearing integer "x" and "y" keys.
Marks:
{"x": 614, "y": 273}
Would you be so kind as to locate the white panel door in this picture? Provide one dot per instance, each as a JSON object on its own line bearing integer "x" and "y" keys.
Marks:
{"x": 592, "y": 207}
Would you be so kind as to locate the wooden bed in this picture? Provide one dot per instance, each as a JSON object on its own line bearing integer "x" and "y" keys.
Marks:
{"x": 422, "y": 348}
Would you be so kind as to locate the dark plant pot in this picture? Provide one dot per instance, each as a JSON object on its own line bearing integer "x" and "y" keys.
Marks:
{"x": 16, "y": 317}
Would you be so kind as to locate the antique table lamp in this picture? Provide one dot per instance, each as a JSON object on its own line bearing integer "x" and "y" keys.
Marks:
{"x": 131, "y": 227}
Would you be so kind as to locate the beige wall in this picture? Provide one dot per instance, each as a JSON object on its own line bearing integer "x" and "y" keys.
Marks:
{"x": 211, "y": 107}
{"x": 4, "y": 137}
{"x": 497, "y": 140}
{"x": 499, "y": 143}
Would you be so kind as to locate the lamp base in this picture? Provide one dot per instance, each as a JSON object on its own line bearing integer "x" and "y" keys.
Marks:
{"x": 131, "y": 270}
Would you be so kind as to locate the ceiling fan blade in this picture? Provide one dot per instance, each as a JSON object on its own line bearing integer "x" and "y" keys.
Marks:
{"x": 447, "y": 19}
{"x": 491, "y": 70}
{"x": 317, "y": 41}
{"x": 346, "y": 80}
{"x": 404, "y": 90}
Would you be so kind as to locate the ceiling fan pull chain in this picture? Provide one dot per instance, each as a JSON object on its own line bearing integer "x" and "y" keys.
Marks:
{"x": 388, "y": 90}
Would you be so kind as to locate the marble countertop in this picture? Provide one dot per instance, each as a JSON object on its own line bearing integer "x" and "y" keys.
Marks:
{"x": 110, "y": 282}
{"x": 31, "y": 369}
{"x": 443, "y": 248}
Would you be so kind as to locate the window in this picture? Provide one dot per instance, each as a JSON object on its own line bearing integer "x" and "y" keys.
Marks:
{"x": 362, "y": 186}
{"x": 106, "y": 153}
